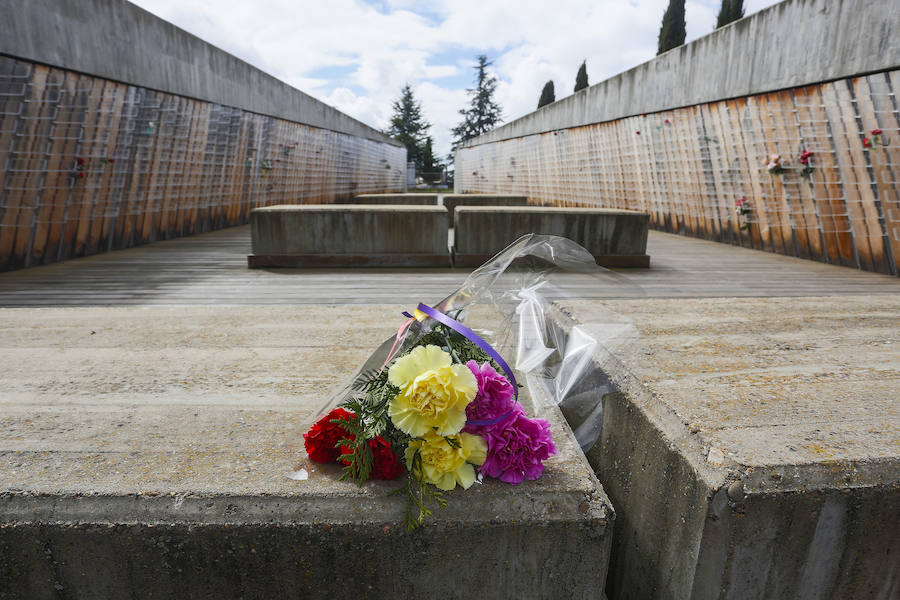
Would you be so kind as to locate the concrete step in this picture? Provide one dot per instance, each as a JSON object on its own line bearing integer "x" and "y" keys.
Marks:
{"x": 750, "y": 446}
{"x": 143, "y": 454}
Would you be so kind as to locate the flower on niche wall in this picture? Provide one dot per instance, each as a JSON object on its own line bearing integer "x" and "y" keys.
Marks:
{"x": 773, "y": 164}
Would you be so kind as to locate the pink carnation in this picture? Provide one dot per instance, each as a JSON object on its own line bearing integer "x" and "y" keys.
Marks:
{"x": 494, "y": 398}
{"x": 517, "y": 447}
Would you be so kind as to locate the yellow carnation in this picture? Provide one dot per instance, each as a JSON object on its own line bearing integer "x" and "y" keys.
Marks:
{"x": 444, "y": 464}
{"x": 433, "y": 392}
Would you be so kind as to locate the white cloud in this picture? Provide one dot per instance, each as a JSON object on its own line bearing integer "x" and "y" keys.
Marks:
{"x": 356, "y": 56}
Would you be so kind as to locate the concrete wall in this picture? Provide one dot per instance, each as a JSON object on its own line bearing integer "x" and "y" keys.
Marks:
{"x": 138, "y": 132}
{"x": 790, "y": 44}
{"x": 117, "y": 40}
{"x": 639, "y": 140}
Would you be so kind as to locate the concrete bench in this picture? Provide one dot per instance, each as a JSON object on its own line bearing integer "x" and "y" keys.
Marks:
{"x": 405, "y": 199}
{"x": 189, "y": 499}
{"x": 616, "y": 238}
{"x": 349, "y": 235}
{"x": 451, "y": 201}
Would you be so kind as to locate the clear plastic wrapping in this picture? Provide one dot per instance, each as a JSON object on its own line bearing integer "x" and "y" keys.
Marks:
{"x": 508, "y": 301}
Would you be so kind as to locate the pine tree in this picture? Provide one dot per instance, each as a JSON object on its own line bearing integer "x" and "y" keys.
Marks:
{"x": 409, "y": 127}
{"x": 430, "y": 163}
{"x": 548, "y": 96}
{"x": 673, "y": 31}
{"x": 731, "y": 10}
{"x": 581, "y": 80}
{"x": 484, "y": 112}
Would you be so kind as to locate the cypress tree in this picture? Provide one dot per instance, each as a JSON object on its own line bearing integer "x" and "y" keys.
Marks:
{"x": 581, "y": 80}
{"x": 548, "y": 96}
{"x": 731, "y": 10}
{"x": 483, "y": 112}
{"x": 673, "y": 30}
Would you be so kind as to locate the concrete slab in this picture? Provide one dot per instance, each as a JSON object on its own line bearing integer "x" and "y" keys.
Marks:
{"x": 143, "y": 453}
{"x": 751, "y": 446}
{"x": 616, "y": 238}
{"x": 451, "y": 201}
{"x": 351, "y": 235}
{"x": 396, "y": 199}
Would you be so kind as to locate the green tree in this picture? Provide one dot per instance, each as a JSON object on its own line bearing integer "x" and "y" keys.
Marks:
{"x": 430, "y": 163}
{"x": 673, "y": 31}
{"x": 409, "y": 127}
{"x": 581, "y": 80}
{"x": 731, "y": 10}
{"x": 483, "y": 112}
{"x": 548, "y": 95}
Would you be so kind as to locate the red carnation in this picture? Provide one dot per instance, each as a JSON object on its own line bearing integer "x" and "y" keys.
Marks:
{"x": 667, "y": 121}
{"x": 876, "y": 132}
{"x": 866, "y": 142}
{"x": 386, "y": 464}
{"x": 638, "y": 132}
{"x": 79, "y": 161}
{"x": 322, "y": 438}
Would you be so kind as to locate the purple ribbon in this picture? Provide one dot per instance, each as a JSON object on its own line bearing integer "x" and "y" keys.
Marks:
{"x": 478, "y": 341}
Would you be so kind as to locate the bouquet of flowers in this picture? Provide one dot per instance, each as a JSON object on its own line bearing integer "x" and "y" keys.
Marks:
{"x": 742, "y": 208}
{"x": 440, "y": 404}
{"x": 807, "y": 168}
{"x": 773, "y": 164}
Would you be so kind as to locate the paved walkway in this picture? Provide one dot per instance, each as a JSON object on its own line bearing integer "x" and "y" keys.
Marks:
{"x": 212, "y": 269}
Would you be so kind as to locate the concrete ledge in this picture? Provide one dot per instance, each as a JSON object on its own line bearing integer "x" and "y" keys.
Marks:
{"x": 750, "y": 446}
{"x": 610, "y": 261}
{"x": 159, "y": 471}
{"x": 348, "y": 235}
{"x": 451, "y": 201}
{"x": 618, "y": 238}
{"x": 257, "y": 261}
{"x": 396, "y": 199}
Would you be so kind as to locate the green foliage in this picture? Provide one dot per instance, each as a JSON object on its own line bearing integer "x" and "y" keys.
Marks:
{"x": 458, "y": 346}
{"x": 430, "y": 163}
{"x": 360, "y": 459}
{"x": 673, "y": 30}
{"x": 731, "y": 10}
{"x": 548, "y": 95}
{"x": 483, "y": 112}
{"x": 371, "y": 421}
{"x": 410, "y": 128}
{"x": 581, "y": 79}
{"x": 419, "y": 496}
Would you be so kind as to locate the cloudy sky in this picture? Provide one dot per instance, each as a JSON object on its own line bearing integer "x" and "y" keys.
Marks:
{"x": 357, "y": 54}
